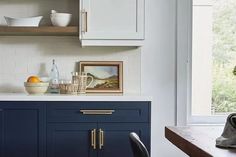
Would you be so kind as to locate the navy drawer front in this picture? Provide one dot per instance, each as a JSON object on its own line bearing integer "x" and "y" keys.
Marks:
{"x": 98, "y": 112}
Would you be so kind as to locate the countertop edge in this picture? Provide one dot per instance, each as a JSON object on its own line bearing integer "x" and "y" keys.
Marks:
{"x": 24, "y": 97}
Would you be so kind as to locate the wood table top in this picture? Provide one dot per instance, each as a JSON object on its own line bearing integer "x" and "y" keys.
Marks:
{"x": 198, "y": 141}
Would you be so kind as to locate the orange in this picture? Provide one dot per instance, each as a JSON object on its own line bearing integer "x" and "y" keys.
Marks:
{"x": 33, "y": 79}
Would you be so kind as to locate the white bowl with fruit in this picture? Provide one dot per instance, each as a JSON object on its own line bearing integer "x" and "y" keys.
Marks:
{"x": 34, "y": 85}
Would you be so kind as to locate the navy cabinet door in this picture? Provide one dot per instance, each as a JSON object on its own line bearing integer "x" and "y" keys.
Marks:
{"x": 116, "y": 138}
{"x": 1, "y": 132}
{"x": 70, "y": 140}
{"x": 22, "y": 129}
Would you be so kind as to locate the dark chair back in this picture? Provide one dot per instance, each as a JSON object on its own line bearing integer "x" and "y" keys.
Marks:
{"x": 138, "y": 148}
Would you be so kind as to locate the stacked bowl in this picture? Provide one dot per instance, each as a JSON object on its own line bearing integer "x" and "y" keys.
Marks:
{"x": 36, "y": 88}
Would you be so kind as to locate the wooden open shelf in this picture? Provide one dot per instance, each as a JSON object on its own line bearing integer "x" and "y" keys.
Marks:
{"x": 39, "y": 31}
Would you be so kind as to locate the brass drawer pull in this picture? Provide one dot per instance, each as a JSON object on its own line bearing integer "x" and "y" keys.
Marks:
{"x": 101, "y": 138}
{"x": 93, "y": 138}
{"x": 97, "y": 112}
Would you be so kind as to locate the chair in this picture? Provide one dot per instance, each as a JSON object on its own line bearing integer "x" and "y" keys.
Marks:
{"x": 138, "y": 148}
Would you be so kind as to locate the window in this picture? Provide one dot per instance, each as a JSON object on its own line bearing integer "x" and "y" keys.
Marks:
{"x": 213, "y": 83}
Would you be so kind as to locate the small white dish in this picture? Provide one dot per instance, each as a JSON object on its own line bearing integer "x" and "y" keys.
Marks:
{"x": 60, "y": 19}
{"x": 23, "y": 22}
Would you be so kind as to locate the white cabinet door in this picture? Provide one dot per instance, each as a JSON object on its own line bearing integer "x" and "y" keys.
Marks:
{"x": 112, "y": 19}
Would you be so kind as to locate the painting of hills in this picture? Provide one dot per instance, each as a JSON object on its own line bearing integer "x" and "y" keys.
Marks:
{"x": 104, "y": 77}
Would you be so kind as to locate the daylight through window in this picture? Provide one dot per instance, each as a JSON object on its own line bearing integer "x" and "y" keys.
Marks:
{"x": 213, "y": 57}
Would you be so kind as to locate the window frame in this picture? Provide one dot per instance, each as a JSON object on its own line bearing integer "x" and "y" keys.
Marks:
{"x": 184, "y": 67}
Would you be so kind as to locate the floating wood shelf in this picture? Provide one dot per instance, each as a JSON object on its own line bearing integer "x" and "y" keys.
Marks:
{"x": 39, "y": 31}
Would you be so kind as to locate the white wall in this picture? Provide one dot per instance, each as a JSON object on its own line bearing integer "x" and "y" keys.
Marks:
{"x": 158, "y": 72}
{"x": 27, "y": 8}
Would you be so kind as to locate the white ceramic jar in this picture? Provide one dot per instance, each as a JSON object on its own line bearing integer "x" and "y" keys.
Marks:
{"x": 60, "y": 19}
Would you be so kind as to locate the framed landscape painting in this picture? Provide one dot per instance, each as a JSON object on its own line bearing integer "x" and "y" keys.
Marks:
{"x": 107, "y": 76}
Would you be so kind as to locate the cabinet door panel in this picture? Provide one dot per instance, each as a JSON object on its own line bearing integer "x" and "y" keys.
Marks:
{"x": 22, "y": 130}
{"x": 116, "y": 138}
{"x": 1, "y": 132}
{"x": 113, "y": 19}
{"x": 70, "y": 140}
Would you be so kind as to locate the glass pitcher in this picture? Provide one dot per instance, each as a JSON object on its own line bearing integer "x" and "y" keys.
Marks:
{"x": 81, "y": 78}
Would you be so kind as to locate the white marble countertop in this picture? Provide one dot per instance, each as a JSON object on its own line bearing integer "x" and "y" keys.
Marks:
{"x": 85, "y": 97}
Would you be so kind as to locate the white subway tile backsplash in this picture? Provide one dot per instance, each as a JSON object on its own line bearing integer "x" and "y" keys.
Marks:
{"x": 21, "y": 60}
{"x": 7, "y": 63}
{"x": 22, "y": 56}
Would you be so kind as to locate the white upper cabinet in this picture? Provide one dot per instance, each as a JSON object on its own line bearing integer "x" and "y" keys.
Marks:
{"x": 112, "y": 22}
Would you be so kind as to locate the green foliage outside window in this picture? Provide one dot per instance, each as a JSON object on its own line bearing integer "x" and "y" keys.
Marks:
{"x": 224, "y": 56}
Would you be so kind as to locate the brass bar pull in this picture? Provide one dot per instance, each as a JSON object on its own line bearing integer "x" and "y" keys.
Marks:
{"x": 93, "y": 139}
{"x": 101, "y": 138}
{"x": 97, "y": 112}
{"x": 84, "y": 21}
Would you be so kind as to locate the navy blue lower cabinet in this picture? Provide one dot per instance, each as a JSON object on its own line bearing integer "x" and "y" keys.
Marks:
{"x": 22, "y": 129}
{"x": 113, "y": 139}
{"x": 95, "y": 129}
{"x": 71, "y": 140}
{"x": 72, "y": 129}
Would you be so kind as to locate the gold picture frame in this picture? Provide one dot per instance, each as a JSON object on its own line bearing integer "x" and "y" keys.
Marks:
{"x": 107, "y": 76}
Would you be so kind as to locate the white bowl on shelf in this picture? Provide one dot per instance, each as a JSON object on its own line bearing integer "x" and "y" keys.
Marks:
{"x": 36, "y": 88}
{"x": 60, "y": 19}
{"x": 23, "y": 22}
